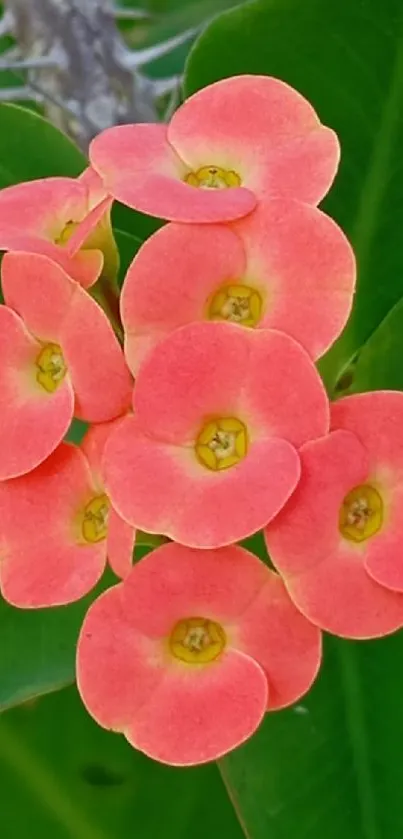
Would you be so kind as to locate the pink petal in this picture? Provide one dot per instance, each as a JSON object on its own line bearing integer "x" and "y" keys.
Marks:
{"x": 262, "y": 129}
{"x": 303, "y": 169}
{"x": 173, "y": 582}
{"x": 275, "y": 634}
{"x": 84, "y": 267}
{"x": 41, "y": 208}
{"x": 304, "y": 268}
{"x": 377, "y": 419}
{"x": 54, "y": 307}
{"x": 121, "y": 536}
{"x": 42, "y": 561}
{"x": 120, "y": 544}
{"x": 141, "y": 169}
{"x": 127, "y": 683}
{"x": 196, "y": 372}
{"x": 383, "y": 557}
{"x": 94, "y": 185}
{"x": 93, "y": 445}
{"x": 131, "y": 484}
{"x": 33, "y": 422}
{"x": 39, "y": 290}
{"x": 283, "y": 395}
{"x": 101, "y": 380}
{"x": 325, "y": 574}
{"x": 171, "y": 279}
{"x": 307, "y": 529}
{"x": 118, "y": 669}
{"x": 306, "y": 286}
{"x": 214, "y": 370}
{"x": 163, "y": 489}
{"x": 340, "y": 597}
{"x": 33, "y": 216}
{"x": 218, "y": 369}
{"x": 87, "y": 226}
{"x": 193, "y": 718}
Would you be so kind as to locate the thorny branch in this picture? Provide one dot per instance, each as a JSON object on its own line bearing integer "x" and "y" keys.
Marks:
{"x": 78, "y": 65}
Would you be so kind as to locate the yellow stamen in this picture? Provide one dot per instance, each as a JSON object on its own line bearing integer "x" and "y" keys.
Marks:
{"x": 236, "y": 303}
{"x": 213, "y": 177}
{"x": 94, "y": 521}
{"x": 197, "y": 640}
{"x": 222, "y": 443}
{"x": 51, "y": 367}
{"x": 361, "y": 513}
{"x": 67, "y": 232}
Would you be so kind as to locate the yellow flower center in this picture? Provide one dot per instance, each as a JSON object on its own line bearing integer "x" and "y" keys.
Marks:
{"x": 361, "y": 513}
{"x": 222, "y": 443}
{"x": 213, "y": 177}
{"x": 66, "y": 234}
{"x": 94, "y": 522}
{"x": 51, "y": 367}
{"x": 197, "y": 640}
{"x": 237, "y": 303}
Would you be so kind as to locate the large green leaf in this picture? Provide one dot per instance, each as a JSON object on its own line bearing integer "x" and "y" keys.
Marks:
{"x": 37, "y": 648}
{"x": 331, "y": 766}
{"x": 347, "y": 58}
{"x": 379, "y": 364}
{"x": 64, "y": 777}
{"x": 134, "y": 223}
{"x": 31, "y": 147}
{"x": 128, "y": 246}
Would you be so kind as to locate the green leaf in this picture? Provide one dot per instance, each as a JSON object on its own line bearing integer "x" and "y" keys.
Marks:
{"x": 331, "y": 766}
{"x": 64, "y": 777}
{"x": 31, "y": 147}
{"x": 134, "y": 223}
{"x": 347, "y": 59}
{"x": 379, "y": 364}
{"x": 37, "y": 648}
{"x": 128, "y": 246}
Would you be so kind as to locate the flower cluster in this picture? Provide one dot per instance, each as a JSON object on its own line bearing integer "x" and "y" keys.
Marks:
{"x": 209, "y": 424}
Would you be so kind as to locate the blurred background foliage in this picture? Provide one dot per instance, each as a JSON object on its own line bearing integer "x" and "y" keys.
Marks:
{"x": 62, "y": 776}
{"x": 158, "y": 20}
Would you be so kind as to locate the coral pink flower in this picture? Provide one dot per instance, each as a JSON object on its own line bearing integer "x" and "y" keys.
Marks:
{"x": 286, "y": 266}
{"x": 187, "y": 655}
{"x": 227, "y": 147}
{"x": 66, "y": 219}
{"x": 338, "y": 541}
{"x": 210, "y": 455}
{"x": 120, "y": 537}
{"x": 58, "y": 357}
{"x": 58, "y": 528}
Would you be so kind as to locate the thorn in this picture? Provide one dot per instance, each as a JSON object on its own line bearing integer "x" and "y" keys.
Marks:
{"x": 29, "y": 63}
{"x": 15, "y": 94}
{"x": 160, "y": 87}
{"x": 51, "y": 97}
{"x": 133, "y": 59}
{"x": 174, "y": 101}
{"x": 12, "y": 54}
{"x": 6, "y": 24}
{"x": 130, "y": 14}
